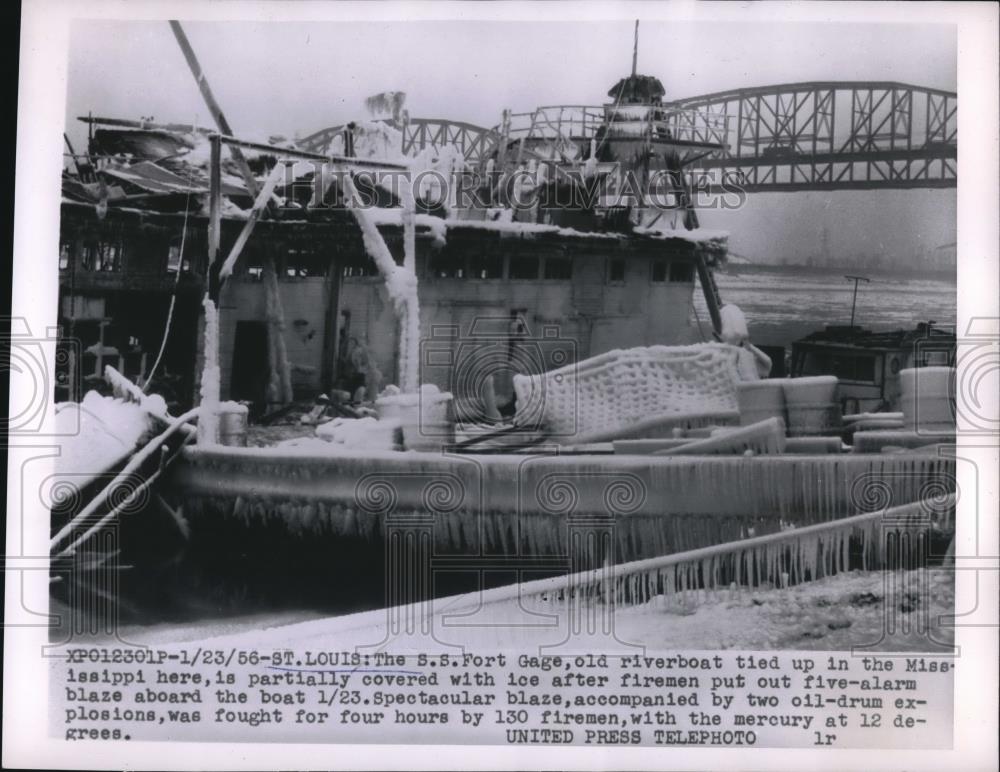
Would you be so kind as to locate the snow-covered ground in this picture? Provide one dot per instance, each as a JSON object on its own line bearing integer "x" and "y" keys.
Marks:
{"x": 834, "y": 613}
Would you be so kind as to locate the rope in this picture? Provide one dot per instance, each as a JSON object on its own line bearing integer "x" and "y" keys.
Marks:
{"x": 173, "y": 296}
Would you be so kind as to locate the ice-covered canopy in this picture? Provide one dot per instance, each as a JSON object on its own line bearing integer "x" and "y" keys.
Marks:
{"x": 638, "y": 89}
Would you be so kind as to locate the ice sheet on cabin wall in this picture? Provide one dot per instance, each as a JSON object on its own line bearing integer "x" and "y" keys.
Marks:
{"x": 279, "y": 385}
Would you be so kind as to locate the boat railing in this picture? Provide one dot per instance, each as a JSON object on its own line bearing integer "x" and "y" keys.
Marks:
{"x": 575, "y": 123}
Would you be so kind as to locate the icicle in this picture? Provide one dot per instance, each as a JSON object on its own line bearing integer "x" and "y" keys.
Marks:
{"x": 484, "y": 531}
{"x": 208, "y": 419}
{"x": 501, "y": 536}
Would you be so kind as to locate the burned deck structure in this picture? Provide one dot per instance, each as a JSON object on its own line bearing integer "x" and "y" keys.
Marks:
{"x": 136, "y": 247}
{"x": 117, "y": 276}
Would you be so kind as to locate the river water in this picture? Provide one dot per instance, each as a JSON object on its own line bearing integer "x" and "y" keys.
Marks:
{"x": 783, "y": 303}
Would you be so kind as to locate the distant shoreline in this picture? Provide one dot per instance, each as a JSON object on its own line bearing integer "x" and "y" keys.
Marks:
{"x": 942, "y": 275}
{"x": 783, "y": 303}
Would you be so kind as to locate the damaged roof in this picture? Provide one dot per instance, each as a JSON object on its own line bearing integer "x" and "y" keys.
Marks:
{"x": 151, "y": 178}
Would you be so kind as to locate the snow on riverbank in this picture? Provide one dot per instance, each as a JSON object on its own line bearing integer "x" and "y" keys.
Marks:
{"x": 834, "y": 613}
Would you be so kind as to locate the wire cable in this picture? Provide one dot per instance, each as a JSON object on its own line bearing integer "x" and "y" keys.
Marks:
{"x": 173, "y": 296}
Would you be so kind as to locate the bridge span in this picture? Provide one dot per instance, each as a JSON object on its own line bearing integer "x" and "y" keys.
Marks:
{"x": 819, "y": 135}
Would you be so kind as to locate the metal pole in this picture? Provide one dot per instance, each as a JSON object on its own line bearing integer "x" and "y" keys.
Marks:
{"x": 854, "y": 301}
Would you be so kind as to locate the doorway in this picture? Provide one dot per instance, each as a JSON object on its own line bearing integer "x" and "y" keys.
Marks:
{"x": 250, "y": 371}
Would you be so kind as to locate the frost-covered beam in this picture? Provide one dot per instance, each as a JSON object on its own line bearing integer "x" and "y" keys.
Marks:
{"x": 259, "y": 204}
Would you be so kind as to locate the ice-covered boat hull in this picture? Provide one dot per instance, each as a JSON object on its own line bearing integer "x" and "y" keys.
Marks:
{"x": 307, "y": 529}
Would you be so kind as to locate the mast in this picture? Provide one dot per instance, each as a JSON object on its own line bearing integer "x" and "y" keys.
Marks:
{"x": 854, "y": 301}
{"x": 635, "y": 48}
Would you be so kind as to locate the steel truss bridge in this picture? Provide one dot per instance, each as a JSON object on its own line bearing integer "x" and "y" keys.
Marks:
{"x": 830, "y": 135}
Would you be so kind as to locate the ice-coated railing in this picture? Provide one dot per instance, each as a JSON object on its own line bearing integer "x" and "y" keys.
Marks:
{"x": 585, "y": 122}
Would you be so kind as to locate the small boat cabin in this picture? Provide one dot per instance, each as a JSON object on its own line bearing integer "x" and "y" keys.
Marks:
{"x": 868, "y": 363}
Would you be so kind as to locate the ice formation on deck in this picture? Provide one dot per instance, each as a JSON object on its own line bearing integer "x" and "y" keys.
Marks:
{"x": 359, "y": 433}
{"x": 601, "y": 397}
{"x": 101, "y": 431}
{"x": 123, "y": 388}
{"x": 734, "y": 325}
{"x": 753, "y": 362}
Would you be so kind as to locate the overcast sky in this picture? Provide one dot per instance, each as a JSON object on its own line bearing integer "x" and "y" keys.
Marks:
{"x": 288, "y": 78}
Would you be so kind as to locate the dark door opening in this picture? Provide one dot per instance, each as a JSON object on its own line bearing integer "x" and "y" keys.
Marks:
{"x": 250, "y": 371}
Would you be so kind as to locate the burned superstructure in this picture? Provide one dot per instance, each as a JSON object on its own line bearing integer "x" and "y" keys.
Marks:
{"x": 133, "y": 263}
